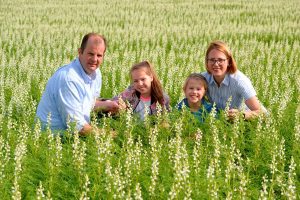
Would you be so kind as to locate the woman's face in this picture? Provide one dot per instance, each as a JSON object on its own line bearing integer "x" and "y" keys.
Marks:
{"x": 217, "y": 64}
{"x": 142, "y": 81}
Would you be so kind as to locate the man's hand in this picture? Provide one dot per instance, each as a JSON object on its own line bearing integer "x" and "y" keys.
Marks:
{"x": 86, "y": 130}
{"x": 107, "y": 105}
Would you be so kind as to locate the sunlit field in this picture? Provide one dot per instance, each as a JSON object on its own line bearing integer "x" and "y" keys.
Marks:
{"x": 170, "y": 156}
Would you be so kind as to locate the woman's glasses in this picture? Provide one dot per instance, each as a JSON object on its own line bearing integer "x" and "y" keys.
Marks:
{"x": 219, "y": 61}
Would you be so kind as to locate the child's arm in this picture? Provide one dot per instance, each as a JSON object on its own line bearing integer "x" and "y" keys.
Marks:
{"x": 167, "y": 102}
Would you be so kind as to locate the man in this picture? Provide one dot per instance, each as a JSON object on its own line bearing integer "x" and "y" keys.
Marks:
{"x": 71, "y": 93}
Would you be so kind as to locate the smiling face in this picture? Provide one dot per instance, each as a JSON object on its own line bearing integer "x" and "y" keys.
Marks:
{"x": 194, "y": 91}
{"x": 217, "y": 64}
{"x": 92, "y": 56}
{"x": 142, "y": 81}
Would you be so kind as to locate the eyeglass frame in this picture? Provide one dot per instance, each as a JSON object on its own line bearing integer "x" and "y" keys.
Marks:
{"x": 219, "y": 61}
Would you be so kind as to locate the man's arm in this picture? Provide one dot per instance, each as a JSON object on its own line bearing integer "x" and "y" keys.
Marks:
{"x": 106, "y": 106}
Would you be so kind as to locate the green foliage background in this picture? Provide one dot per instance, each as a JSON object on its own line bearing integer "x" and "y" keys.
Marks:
{"x": 234, "y": 158}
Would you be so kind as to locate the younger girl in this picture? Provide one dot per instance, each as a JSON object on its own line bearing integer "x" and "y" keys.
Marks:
{"x": 195, "y": 88}
{"x": 145, "y": 92}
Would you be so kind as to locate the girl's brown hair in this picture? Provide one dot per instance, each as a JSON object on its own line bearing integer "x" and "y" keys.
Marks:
{"x": 221, "y": 46}
{"x": 156, "y": 87}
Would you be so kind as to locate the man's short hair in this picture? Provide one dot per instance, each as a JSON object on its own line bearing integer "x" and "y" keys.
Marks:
{"x": 86, "y": 38}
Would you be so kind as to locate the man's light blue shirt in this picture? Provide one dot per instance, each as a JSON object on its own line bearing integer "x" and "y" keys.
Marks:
{"x": 70, "y": 94}
{"x": 237, "y": 85}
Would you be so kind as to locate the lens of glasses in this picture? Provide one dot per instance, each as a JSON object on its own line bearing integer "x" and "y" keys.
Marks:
{"x": 218, "y": 61}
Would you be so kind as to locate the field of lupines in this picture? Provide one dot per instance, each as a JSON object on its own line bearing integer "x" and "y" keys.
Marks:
{"x": 170, "y": 156}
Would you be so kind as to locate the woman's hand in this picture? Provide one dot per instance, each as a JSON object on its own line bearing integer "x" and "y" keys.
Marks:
{"x": 247, "y": 115}
{"x": 233, "y": 113}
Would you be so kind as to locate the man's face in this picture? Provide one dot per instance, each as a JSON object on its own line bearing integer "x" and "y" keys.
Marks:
{"x": 93, "y": 54}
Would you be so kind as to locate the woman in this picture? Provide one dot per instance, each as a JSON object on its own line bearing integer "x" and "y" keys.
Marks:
{"x": 226, "y": 84}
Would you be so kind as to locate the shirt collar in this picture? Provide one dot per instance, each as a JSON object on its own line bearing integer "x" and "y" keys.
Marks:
{"x": 224, "y": 82}
{"x": 185, "y": 101}
{"x": 85, "y": 76}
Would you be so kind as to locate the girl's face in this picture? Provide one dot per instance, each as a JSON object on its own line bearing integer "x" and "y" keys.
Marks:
{"x": 142, "y": 82}
{"x": 194, "y": 92}
{"x": 217, "y": 64}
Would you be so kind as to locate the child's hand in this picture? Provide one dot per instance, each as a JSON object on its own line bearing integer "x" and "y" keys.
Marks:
{"x": 165, "y": 124}
{"x": 122, "y": 104}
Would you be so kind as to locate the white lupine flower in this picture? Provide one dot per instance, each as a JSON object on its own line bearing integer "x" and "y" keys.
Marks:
{"x": 58, "y": 152}
{"x": 129, "y": 119}
{"x": 79, "y": 151}
{"x": 137, "y": 151}
{"x": 227, "y": 107}
{"x": 20, "y": 152}
{"x": 264, "y": 192}
{"x": 230, "y": 164}
{"x": 239, "y": 169}
{"x": 40, "y": 192}
{"x": 119, "y": 183}
{"x": 138, "y": 192}
{"x": 212, "y": 114}
{"x": 84, "y": 194}
{"x": 10, "y": 122}
{"x": 236, "y": 125}
{"x": 4, "y": 156}
{"x": 181, "y": 167}
{"x": 196, "y": 151}
{"x": 297, "y": 124}
{"x": 104, "y": 143}
{"x": 37, "y": 133}
{"x": 16, "y": 194}
{"x": 281, "y": 151}
{"x": 291, "y": 190}
{"x": 214, "y": 163}
{"x": 154, "y": 174}
{"x": 229, "y": 196}
{"x": 108, "y": 177}
{"x": 2, "y": 103}
{"x": 155, "y": 149}
{"x": 129, "y": 160}
{"x": 273, "y": 165}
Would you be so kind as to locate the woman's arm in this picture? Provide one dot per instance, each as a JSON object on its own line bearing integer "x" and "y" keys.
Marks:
{"x": 254, "y": 109}
{"x": 254, "y": 106}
